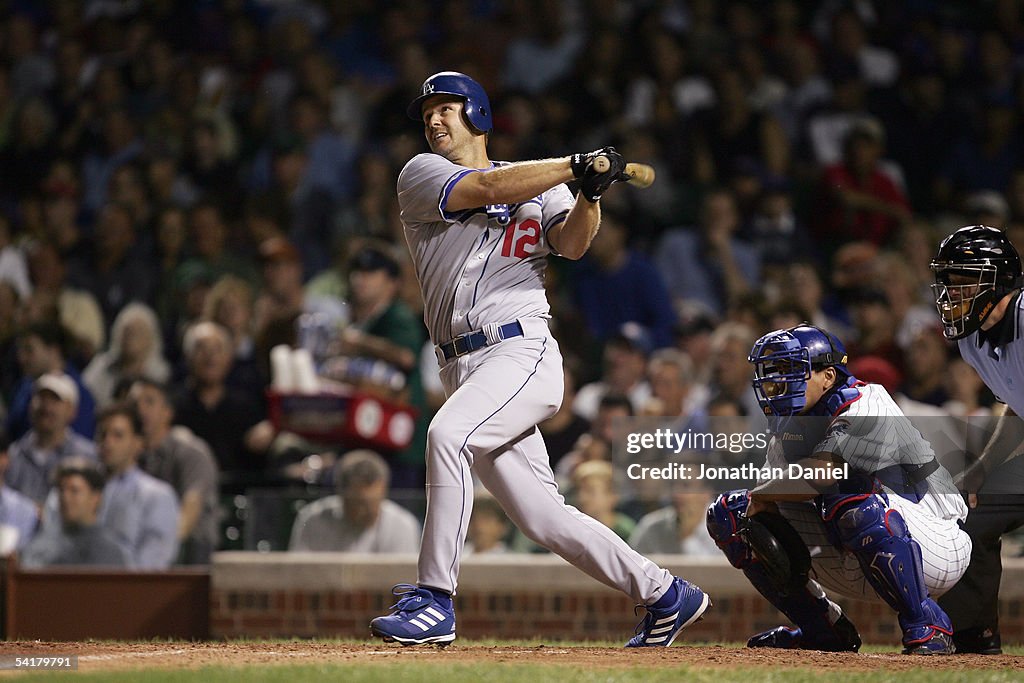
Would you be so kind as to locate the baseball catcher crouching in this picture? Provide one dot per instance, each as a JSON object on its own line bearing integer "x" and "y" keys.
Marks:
{"x": 889, "y": 529}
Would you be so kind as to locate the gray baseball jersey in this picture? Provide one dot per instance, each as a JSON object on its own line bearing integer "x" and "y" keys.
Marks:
{"x": 1001, "y": 365}
{"x": 479, "y": 268}
{"x": 476, "y": 266}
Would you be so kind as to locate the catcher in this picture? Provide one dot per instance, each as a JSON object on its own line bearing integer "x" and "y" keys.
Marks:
{"x": 889, "y": 529}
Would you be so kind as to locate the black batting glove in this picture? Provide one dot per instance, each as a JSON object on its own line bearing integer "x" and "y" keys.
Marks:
{"x": 595, "y": 184}
{"x": 581, "y": 162}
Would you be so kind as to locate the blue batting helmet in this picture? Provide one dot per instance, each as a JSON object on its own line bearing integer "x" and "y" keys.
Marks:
{"x": 477, "y": 107}
{"x": 783, "y": 361}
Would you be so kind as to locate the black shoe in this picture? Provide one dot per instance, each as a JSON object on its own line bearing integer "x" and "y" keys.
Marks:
{"x": 978, "y": 641}
{"x": 843, "y": 638}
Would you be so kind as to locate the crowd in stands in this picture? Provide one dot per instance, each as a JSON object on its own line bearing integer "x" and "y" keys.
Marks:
{"x": 186, "y": 185}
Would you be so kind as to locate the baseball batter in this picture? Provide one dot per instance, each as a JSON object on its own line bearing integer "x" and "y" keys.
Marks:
{"x": 889, "y": 530}
{"x": 479, "y": 233}
{"x": 978, "y": 280}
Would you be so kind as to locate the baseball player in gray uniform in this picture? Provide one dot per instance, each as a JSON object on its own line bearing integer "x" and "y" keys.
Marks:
{"x": 978, "y": 280}
{"x": 480, "y": 233}
{"x": 878, "y": 517}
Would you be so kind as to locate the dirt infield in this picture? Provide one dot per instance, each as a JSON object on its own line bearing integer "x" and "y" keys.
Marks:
{"x": 180, "y": 655}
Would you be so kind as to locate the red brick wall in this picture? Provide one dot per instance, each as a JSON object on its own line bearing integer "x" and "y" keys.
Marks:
{"x": 529, "y": 615}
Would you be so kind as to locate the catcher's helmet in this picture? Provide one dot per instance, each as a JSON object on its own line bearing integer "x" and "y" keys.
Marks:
{"x": 477, "y": 108}
{"x": 783, "y": 361}
{"x": 975, "y": 267}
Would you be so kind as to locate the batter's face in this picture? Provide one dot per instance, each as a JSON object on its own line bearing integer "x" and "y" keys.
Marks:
{"x": 445, "y": 128}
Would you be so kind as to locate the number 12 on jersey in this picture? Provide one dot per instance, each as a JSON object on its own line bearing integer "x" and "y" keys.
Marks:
{"x": 520, "y": 236}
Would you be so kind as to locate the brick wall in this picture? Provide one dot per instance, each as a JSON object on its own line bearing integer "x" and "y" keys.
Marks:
{"x": 532, "y": 596}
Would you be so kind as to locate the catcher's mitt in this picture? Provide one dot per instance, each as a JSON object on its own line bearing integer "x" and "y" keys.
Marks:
{"x": 779, "y": 548}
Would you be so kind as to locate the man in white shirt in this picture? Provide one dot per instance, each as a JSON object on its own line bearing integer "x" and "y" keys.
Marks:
{"x": 359, "y": 518}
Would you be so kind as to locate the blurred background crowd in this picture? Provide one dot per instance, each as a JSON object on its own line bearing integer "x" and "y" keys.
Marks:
{"x": 186, "y": 185}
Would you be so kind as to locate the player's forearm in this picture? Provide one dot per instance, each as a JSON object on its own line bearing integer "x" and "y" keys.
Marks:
{"x": 572, "y": 237}
{"x": 813, "y": 476}
{"x": 516, "y": 182}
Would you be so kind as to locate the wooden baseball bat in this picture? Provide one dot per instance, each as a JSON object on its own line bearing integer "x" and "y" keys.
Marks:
{"x": 640, "y": 175}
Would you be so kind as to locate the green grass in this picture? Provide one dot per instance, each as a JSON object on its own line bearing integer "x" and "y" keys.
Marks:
{"x": 512, "y": 673}
{"x": 390, "y": 671}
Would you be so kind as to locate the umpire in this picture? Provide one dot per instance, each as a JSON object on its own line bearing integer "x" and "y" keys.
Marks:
{"x": 978, "y": 282}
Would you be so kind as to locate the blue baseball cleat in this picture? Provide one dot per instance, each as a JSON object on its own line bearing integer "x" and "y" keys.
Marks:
{"x": 930, "y": 635}
{"x": 418, "y": 619}
{"x": 661, "y": 626}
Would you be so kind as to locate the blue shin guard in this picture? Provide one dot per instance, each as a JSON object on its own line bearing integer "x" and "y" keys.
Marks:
{"x": 891, "y": 560}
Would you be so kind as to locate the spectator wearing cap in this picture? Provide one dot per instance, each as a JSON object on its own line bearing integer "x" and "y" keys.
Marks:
{"x": 50, "y": 440}
{"x": 40, "y": 350}
{"x": 177, "y": 456}
{"x": 383, "y": 328}
{"x": 140, "y": 510}
{"x": 858, "y": 200}
{"x": 615, "y": 285}
{"x": 358, "y": 518}
{"x": 79, "y": 538}
{"x": 19, "y": 514}
{"x": 709, "y": 265}
{"x": 623, "y": 367}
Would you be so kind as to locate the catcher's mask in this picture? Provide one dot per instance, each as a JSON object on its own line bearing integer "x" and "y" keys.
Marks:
{"x": 783, "y": 361}
{"x": 974, "y": 268}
